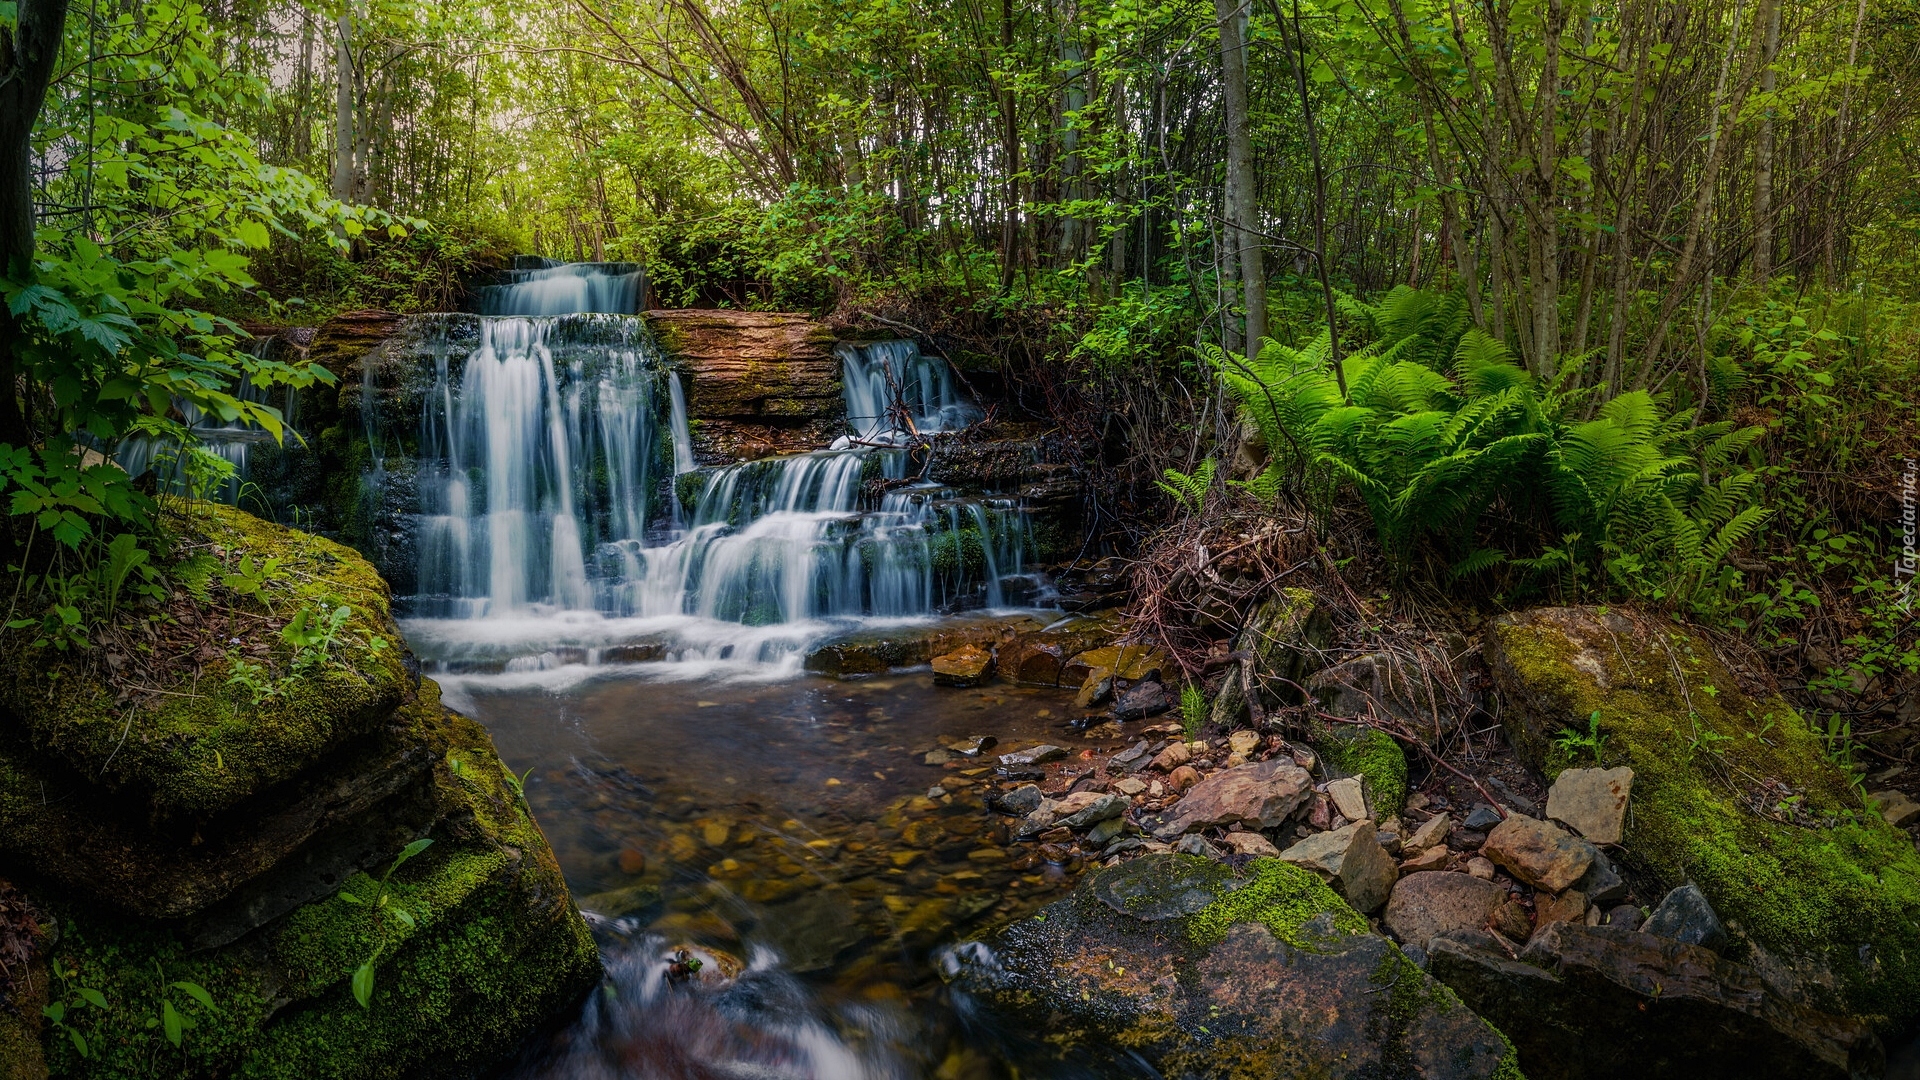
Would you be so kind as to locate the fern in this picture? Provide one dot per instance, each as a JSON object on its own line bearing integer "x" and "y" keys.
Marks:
{"x": 1189, "y": 489}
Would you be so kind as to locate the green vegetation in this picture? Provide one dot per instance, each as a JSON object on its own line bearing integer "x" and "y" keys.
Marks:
{"x": 1282, "y": 897}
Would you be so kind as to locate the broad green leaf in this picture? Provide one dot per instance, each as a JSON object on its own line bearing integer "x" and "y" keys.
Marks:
{"x": 363, "y": 984}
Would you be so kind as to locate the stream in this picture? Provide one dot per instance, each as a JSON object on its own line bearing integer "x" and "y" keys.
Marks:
{"x": 631, "y": 627}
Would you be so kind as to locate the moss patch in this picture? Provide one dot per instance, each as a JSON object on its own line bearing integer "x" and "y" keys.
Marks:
{"x": 496, "y": 947}
{"x": 197, "y": 746}
{"x": 1734, "y": 793}
{"x": 1280, "y": 896}
{"x": 1374, "y": 755}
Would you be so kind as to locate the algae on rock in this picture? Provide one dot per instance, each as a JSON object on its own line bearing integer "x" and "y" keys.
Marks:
{"x": 1732, "y": 792}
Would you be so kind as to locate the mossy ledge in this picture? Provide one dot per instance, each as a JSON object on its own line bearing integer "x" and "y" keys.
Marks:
{"x": 1735, "y": 793}
{"x": 194, "y": 748}
{"x": 247, "y": 901}
{"x": 1184, "y": 964}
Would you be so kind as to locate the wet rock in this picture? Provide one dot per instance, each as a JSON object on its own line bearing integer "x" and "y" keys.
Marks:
{"x": 937, "y": 757}
{"x": 1095, "y": 690}
{"x": 1431, "y": 833}
{"x": 1278, "y": 978}
{"x": 1348, "y": 797}
{"x": 1482, "y": 817}
{"x": 969, "y": 665}
{"x": 1425, "y": 905}
{"x": 1034, "y": 755}
{"x": 1099, "y": 808}
{"x": 1249, "y": 843}
{"x": 1040, "y": 658}
{"x": 1132, "y": 663}
{"x": 1685, "y": 916}
{"x": 1537, "y": 852}
{"x": 971, "y": 745}
{"x": 1593, "y": 1002}
{"x": 1141, "y": 701}
{"x": 1352, "y": 860}
{"x": 1895, "y": 806}
{"x": 1105, "y": 830}
{"x": 620, "y": 903}
{"x": 1259, "y": 796}
{"x": 812, "y": 931}
{"x": 1593, "y": 802}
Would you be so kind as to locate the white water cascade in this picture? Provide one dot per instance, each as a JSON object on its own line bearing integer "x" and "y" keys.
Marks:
{"x": 557, "y": 517}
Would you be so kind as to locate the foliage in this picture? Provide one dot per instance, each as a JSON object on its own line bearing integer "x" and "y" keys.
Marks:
{"x": 1571, "y": 743}
{"x": 1193, "y": 710}
{"x": 381, "y": 907}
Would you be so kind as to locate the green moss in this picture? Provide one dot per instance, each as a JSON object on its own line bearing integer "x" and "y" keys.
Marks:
{"x": 1280, "y": 896}
{"x": 1820, "y": 878}
{"x": 495, "y": 949}
{"x": 195, "y": 747}
{"x": 1374, "y": 755}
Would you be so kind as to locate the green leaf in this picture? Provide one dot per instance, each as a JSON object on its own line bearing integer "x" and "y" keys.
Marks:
{"x": 350, "y": 898}
{"x": 92, "y": 997}
{"x": 79, "y": 1043}
{"x": 170, "y": 1022}
{"x": 363, "y": 983}
{"x": 413, "y": 849}
{"x": 197, "y": 993}
{"x": 252, "y": 233}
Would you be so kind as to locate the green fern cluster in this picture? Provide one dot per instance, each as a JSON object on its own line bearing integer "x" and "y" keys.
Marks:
{"x": 1440, "y": 424}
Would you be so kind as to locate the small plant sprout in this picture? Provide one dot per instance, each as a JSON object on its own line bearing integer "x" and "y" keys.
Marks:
{"x": 57, "y": 1012}
{"x": 381, "y": 906}
{"x": 1193, "y": 710}
{"x": 1571, "y": 742}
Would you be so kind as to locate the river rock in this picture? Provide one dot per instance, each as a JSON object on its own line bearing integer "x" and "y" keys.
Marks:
{"x": 1538, "y": 852}
{"x": 1481, "y": 818}
{"x": 971, "y": 745}
{"x": 1596, "y": 1002}
{"x": 1685, "y": 916}
{"x": 1431, "y": 833}
{"x": 1259, "y": 796}
{"x": 1041, "y": 658}
{"x": 1353, "y": 860}
{"x": 1024, "y": 799}
{"x": 1592, "y": 801}
{"x": 1097, "y": 688}
{"x": 1250, "y": 843}
{"x": 1276, "y": 975}
{"x": 1034, "y": 755}
{"x": 1349, "y": 797}
{"x": 1132, "y": 663}
{"x": 1141, "y": 701}
{"x": 1183, "y": 778}
{"x": 1173, "y": 757}
{"x": 1425, "y": 905}
{"x": 969, "y": 665}
{"x": 1100, "y": 808}
{"x": 1434, "y": 858}
{"x": 1130, "y": 758}
{"x": 1569, "y": 906}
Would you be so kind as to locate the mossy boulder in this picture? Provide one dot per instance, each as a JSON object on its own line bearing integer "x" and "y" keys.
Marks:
{"x": 1284, "y": 638}
{"x": 1372, "y": 755}
{"x": 1201, "y": 971}
{"x": 490, "y": 948}
{"x": 1736, "y": 793}
{"x": 196, "y": 746}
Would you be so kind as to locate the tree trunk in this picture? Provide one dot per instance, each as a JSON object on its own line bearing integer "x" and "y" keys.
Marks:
{"x": 1836, "y": 183}
{"x": 1243, "y": 207}
{"x": 1763, "y": 150}
{"x": 28, "y": 52}
{"x": 343, "y": 81}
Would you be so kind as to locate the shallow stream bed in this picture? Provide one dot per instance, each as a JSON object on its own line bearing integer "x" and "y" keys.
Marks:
{"x": 786, "y": 827}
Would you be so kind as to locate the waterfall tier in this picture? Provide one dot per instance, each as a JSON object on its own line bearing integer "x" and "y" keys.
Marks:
{"x": 566, "y": 289}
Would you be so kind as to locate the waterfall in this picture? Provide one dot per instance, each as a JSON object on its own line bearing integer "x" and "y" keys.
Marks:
{"x": 557, "y": 483}
{"x": 566, "y": 289}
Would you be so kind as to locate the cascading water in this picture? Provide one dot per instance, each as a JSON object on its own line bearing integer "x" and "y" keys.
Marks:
{"x": 555, "y": 505}
{"x": 540, "y": 287}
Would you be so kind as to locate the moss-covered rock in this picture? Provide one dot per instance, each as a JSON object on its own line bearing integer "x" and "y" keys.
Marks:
{"x": 1372, "y": 755}
{"x": 1733, "y": 792}
{"x": 197, "y": 746}
{"x": 1285, "y": 634}
{"x": 490, "y": 948}
{"x": 1203, "y": 972}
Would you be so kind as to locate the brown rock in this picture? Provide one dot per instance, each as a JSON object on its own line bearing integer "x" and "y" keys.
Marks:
{"x": 1183, "y": 778}
{"x": 1511, "y": 920}
{"x": 1431, "y": 833}
{"x": 1424, "y": 905}
{"x": 1569, "y": 906}
{"x": 1592, "y": 801}
{"x": 1250, "y": 843}
{"x": 1259, "y": 796}
{"x": 1173, "y": 757}
{"x": 1352, "y": 859}
{"x": 1480, "y": 868}
{"x": 632, "y": 861}
{"x": 1433, "y": 858}
{"x": 1539, "y": 853}
{"x": 969, "y": 665}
